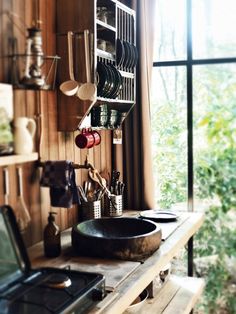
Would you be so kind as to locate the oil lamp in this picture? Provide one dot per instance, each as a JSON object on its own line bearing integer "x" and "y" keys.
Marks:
{"x": 33, "y": 76}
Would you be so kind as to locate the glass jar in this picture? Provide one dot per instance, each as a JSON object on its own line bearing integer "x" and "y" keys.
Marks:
{"x": 102, "y": 14}
{"x": 112, "y": 118}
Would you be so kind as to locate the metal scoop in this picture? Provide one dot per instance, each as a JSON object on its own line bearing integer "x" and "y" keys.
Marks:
{"x": 70, "y": 87}
{"x": 88, "y": 90}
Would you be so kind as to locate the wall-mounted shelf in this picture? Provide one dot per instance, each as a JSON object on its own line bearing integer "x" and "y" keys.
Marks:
{"x": 105, "y": 54}
{"x": 102, "y": 25}
{"x": 17, "y": 159}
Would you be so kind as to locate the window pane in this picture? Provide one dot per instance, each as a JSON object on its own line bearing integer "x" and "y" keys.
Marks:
{"x": 214, "y": 28}
{"x": 169, "y": 136}
{"x": 170, "y": 36}
{"x": 215, "y": 134}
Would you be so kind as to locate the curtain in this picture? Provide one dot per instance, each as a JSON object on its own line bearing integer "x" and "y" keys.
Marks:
{"x": 136, "y": 150}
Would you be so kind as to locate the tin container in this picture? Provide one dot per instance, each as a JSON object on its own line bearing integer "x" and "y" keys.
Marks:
{"x": 114, "y": 206}
{"x": 91, "y": 210}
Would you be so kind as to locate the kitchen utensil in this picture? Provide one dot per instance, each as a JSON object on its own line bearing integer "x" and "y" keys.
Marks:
{"x": 135, "y": 55}
{"x": 6, "y": 185}
{"x": 88, "y": 90}
{"x": 112, "y": 118}
{"x": 114, "y": 180}
{"x": 114, "y": 206}
{"x": 70, "y": 87}
{"x": 24, "y": 131}
{"x": 104, "y": 78}
{"x": 159, "y": 215}
{"x": 95, "y": 176}
{"x": 85, "y": 139}
{"x": 23, "y": 216}
{"x": 91, "y": 210}
{"x": 97, "y": 137}
{"x": 118, "y": 81}
{"x": 99, "y": 116}
{"x": 127, "y": 54}
{"x": 82, "y": 193}
{"x": 120, "y": 52}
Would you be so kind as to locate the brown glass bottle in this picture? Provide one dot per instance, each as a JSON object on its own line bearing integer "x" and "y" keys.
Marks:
{"x": 52, "y": 237}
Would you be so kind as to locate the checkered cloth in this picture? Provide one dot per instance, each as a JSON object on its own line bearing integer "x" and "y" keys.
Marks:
{"x": 59, "y": 176}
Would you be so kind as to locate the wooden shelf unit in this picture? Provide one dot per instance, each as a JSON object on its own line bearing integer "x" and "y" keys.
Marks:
{"x": 17, "y": 159}
{"x": 72, "y": 112}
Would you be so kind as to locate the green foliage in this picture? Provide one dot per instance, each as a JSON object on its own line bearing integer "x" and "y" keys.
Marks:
{"x": 217, "y": 237}
{"x": 215, "y": 169}
{"x": 216, "y": 177}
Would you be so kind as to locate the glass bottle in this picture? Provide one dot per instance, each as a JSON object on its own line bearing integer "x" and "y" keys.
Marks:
{"x": 52, "y": 237}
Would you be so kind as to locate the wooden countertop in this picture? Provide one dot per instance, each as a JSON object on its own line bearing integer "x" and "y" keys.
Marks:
{"x": 125, "y": 279}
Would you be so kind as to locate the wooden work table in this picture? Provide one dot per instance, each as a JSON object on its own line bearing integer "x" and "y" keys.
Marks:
{"x": 125, "y": 280}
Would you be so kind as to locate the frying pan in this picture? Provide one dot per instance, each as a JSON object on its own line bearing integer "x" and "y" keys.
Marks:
{"x": 120, "y": 52}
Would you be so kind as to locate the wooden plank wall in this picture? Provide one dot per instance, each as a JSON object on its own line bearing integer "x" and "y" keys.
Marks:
{"x": 42, "y": 106}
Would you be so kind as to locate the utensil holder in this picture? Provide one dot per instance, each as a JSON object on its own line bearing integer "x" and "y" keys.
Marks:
{"x": 91, "y": 210}
{"x": 114, "y": 206}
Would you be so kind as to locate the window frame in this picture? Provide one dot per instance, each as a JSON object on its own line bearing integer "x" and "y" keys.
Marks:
{"x": 189, "y": 63}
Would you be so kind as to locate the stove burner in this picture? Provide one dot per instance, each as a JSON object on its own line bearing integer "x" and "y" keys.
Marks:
{"x": 58, "y": 281}
{"x": 52, "y": 291}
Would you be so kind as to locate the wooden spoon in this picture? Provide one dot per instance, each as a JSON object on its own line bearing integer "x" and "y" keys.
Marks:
{"x": 23, "y": 216}
{"x": 6, "y": 185}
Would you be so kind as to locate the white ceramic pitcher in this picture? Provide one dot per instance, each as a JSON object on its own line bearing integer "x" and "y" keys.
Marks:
{"x": 24, "y": 131}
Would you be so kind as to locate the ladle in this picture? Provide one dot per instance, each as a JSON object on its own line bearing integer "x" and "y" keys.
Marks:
{"x": 88, "y": 90}
{"x": 70, "y": 87}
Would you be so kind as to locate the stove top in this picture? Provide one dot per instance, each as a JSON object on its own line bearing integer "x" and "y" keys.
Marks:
{"x": 51, "y": 290}
{"x": 44, "y": 290}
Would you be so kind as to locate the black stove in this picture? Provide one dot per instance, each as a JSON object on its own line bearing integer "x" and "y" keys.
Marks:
{"x": 43, "y": 290}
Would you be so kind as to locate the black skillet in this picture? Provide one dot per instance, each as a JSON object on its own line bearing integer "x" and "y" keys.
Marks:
{"x": 120, "y": 52}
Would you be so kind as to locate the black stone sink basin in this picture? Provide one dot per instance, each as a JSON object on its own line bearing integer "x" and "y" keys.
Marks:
{"x": 122, "y": 238}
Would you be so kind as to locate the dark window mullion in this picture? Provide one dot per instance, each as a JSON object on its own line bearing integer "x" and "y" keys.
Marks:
{"x": 190, "y": 104}
{"x": 194, "y": 62}
{"x": 190, "y": 125}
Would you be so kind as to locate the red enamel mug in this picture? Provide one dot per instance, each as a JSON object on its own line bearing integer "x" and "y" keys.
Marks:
{"x": 97, "y": 137}
{"x": 85, "y": 139}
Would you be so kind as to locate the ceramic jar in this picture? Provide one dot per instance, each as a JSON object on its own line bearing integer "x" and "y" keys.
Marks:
{"x": 24, "y": 131}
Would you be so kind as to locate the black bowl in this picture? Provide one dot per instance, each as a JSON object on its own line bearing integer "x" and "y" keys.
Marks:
{"x": 123, "y": 238}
